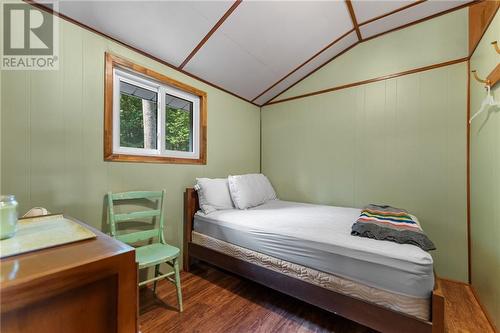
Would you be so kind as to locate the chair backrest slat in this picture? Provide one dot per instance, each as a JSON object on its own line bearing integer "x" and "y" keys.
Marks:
{"x": 137, "y": 195}
{"x": 138, "y": 236}
{"x": 137, "y": 215}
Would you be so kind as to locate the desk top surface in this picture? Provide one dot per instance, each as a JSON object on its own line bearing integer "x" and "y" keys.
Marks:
{"x": 22, "y": 268}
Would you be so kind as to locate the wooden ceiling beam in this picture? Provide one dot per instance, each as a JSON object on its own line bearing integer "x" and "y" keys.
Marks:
{"x": 353, "y": 19}
{"x": 304, "y": 63}
{"x": 467, "y": 4}
{"x": 312, "y": 72}
{"x": 231, "y": 10}
{"x": 377, "y": 35}
{"x": 380, "y": 78}
{"x": 376, "y": 18}
{"x": 130, "y": 47}
{"x": 211, "y": 32}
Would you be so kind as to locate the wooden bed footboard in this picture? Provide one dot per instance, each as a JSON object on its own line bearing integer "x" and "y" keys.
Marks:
{"x": 360, "y": 311}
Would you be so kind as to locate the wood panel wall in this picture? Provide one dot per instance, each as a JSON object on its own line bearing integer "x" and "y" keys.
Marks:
{"x": 400, "y": 141}
{"x": 52, "y": 136}
{"x": 484, "y": 155}
{"x": 480, "y": 16}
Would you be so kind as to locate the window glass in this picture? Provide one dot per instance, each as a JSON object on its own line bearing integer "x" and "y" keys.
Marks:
{"x": 138, "y": 117}
{"x": 178, "y": 124}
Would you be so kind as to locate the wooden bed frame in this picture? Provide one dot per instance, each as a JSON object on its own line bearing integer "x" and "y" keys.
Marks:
{"x": 369, "y": 314}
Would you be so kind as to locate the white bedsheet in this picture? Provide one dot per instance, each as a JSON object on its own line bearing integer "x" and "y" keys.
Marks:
{"x": 319, "y": 237}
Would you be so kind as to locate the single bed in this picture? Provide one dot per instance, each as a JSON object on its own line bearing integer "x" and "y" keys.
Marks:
{"x": 307, "y": 251}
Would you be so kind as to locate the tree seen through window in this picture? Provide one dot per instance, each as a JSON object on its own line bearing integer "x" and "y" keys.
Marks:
{"x": 135, "y": 132}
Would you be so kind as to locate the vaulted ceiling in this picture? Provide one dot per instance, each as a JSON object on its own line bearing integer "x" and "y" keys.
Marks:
{"x": 253, "y": 49}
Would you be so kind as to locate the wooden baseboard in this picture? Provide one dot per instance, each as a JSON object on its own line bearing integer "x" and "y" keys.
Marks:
{"x": 454, "y": 281}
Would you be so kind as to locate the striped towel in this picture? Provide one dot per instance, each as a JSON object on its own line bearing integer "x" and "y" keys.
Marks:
{"x": 392, "y": 224}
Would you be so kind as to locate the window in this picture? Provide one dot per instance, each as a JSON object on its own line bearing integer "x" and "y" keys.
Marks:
{"x": 150, "y": 117}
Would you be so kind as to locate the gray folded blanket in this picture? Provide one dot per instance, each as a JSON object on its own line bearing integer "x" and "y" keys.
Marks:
{"x": 393, "y": 224}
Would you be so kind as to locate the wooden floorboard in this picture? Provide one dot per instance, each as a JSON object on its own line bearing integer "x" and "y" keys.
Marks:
{"x": 463, "y": 312}
{"x": 217, "y": 301}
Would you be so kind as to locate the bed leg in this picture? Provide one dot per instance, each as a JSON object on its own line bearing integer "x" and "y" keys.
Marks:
{"x": 191, "y": 206}
{"x": 186, "y": 264}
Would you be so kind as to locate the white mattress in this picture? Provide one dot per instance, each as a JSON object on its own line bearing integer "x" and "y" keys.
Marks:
{"x": 319, "y": 237}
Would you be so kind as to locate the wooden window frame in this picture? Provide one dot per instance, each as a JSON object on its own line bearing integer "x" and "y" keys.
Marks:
{"x": 112, "y": 62}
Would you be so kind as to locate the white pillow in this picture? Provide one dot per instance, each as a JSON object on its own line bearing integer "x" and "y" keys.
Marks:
{"x": 213, "y": 194}
{"x": 250, "y": 190}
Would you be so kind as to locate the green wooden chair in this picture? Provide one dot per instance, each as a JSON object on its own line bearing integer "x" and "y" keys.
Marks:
{"x": 152, "y": 254}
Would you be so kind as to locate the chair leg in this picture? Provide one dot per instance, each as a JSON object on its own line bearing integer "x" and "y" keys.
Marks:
{"x": 178, "y": 283}
{"x": 157, "y": 270}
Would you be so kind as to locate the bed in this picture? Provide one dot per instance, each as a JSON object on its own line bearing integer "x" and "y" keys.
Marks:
{"x": 295, "y": 249}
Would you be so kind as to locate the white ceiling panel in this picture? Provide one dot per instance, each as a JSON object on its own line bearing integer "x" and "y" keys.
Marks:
{"x": 282, "y": 34}
{"x": 168, "y": 30}
{"x": 409, "y": 15}
{"x": 324, "y": 57}
{"x": 223, "y": 62}
{"x": 366, "y": 10}
{"x": 270, "y": 38}
{"x": 259, "y": 43}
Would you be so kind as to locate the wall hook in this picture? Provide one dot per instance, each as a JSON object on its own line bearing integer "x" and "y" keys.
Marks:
{"x": 486, "y": 82}
{"x": 495, "y": 45}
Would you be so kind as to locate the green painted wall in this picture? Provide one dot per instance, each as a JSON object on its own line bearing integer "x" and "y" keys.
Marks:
{"x": 441, "y": 39}
{"x": 411, "y": 130}
{"x": 52, "y": 136}
{"x": 400, "y": 141}
{"x": 485, "y": 179}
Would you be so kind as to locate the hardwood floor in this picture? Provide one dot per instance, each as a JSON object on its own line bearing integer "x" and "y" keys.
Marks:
{"x": 463, "y": 312}
{"x": 216, "y": 301}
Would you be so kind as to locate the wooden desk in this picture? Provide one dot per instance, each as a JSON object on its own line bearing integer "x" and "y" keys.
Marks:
{"x": 87, "y": 286}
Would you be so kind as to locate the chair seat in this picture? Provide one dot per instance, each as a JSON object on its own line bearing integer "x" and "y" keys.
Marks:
{"x": 153, "y": 254}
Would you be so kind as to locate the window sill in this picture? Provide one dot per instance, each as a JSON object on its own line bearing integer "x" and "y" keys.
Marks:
{"x": 154, "y": 159}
